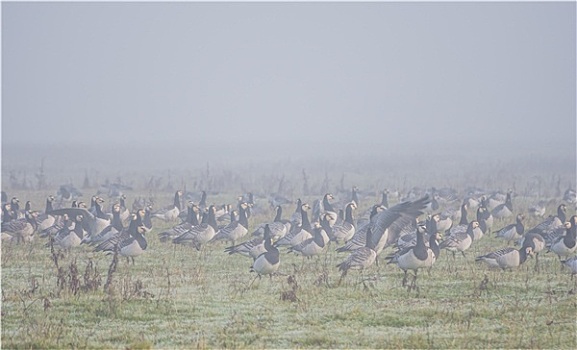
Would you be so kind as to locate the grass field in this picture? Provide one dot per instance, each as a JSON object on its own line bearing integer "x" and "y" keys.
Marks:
{"x": 174, "y": 297}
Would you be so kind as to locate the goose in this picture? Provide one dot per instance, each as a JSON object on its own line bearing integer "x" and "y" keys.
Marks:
{"x": 482, "y": 217}
{"x": 268, "y": 262}
{"x": 504, "y": 210}
{"x": 344, "y": 230}
{"x": 177, "y": 230}
{"x": 298, "y": 233}
{"x": 315, "y": 245}
{"x": 70, "y": 236}
{"x": 552, "y": 222}
{"x": 536, "y": 241}
{"x": 236, "y": 229}
{"x": 361, "y": 258}
{"x": 124, "y": 211}
{"x": 571, "y": 264}
{"x": 15, "y": 208}
{"x": 130, "y": 243}
{"x": 278, "y": 227}
{"x": 252, "y": 248}
{"x": 567, "y": 244}
{"x": 570, "y": 196}
{"x": 506, "y": 258}
{"x": 417, "y": 256}
{"x": 359, "y": 238}
{"x": 388, "y": 224}
{"x": 459, "y": 241}
{"x": 385, "y": 198}
{"x": 514, "y": 231}
{"x": 46, "y": 220}
{"x": 7, "y": 214}
{"x": 60, "y": 222}
{"x": 355, "y": 196}
{"x": 201, "y": 234}
{"x": 409, "y": 238}
{"x": 171, "y": 214}
{"x": 114, "y": 228}
{"x": 296, "y": 217}
{"x": 327, "y": 208}
{"x": 21, "y": 230}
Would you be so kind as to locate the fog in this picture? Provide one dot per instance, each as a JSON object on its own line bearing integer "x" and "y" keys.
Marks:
{"x": 181, "y": 84}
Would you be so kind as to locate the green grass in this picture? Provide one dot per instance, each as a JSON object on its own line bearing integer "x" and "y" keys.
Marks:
{"x": 175, "y": 298}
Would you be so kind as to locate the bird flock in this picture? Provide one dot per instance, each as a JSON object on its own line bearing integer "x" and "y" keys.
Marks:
{"x": 410, "y": 234}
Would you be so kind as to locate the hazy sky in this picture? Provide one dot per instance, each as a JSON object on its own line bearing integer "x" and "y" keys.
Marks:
{"x": 392, "y": 74}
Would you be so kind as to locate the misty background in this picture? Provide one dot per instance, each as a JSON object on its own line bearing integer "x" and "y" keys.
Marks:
{"x": 177, "y": 85}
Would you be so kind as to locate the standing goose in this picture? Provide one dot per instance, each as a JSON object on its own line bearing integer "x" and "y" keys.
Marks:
{"x": 70, "y": 236}
{"x": 360, "y": 258}
{"x": 315, "y": 245}
{"x": 359, "y": 239}
{"x": 130, "y": 243}
{"x": 567, "y": 244}
{"x": 299, "y": 233}
{"x": 414, "y": 257}
{"x": 109, "y": 231}
{"x": 177, "y": 230}
{"x": 268, "y": 262}
{"x": 512, "y": 232}
{"x": 46, "y": 220}
{"x": 504, "y": 210}
{"x": 345, "y": 230}
{"x": 252, "y": 248}
{"x": 278, "y": 227}
{"x": 536, "y": 241}
{"x": 327, "y": 208}
{"x": 236, "y": 229}
{"x": 552, "y": 222}
{"x": 389, "y": 224}
{"x": 459, "y": 241}
{"x": 21, "y": 230}
{"x": 172, "y": 212}
{"x": 296, "y": 217}
{"x": 506, "y": 258}
{"x": 200, "y": 234}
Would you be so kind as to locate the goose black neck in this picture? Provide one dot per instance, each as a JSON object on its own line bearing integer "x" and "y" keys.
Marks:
{"x": 278, "y": 215}
{"x": 326, "y": 204}
{"x": 202, "y": 202}
{"x": 242, "y": 219}
{"x": 385, "y": 199}
{"x": 561, "y": 214}
{"x": 177, "y": 200}
{"x": 349, "y": 214}
{"x": 78, "y": 229}
{"x": 464, "y": 220}
{"x": 420, "y": 250}
{"x": 306, "y": 224}
{"x": 519, "y": 226}
{"x": 211, "y": 218}
{"x": 116, "y": 221}
{"x": 571, "y": 236}
{"x": 49, "y": 207}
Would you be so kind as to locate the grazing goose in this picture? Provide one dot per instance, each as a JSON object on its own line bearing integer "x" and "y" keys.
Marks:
{"x": 506, "y": 258}
{"x": 536, "y": 241}
{"x": 512, "y": 232}
{"x": 202, "y": 233}
{"x": 21, "y": 230}
{"x": 177, "y": 230}
{"x": 504, "y": 210}
{"x": 299, "y": 233}
{"x": 70, "y": 236}
{"x": 344, "y": 230}
{"x": 571, "y": 264}
{"x": 236, "y": 229}
{"x": 268, "y": 262}
{"x": 171, "y": 214}
{"x": 360, "y": 258}
{"x": 459, "y": 241}
{"x": 567, "y": 244}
